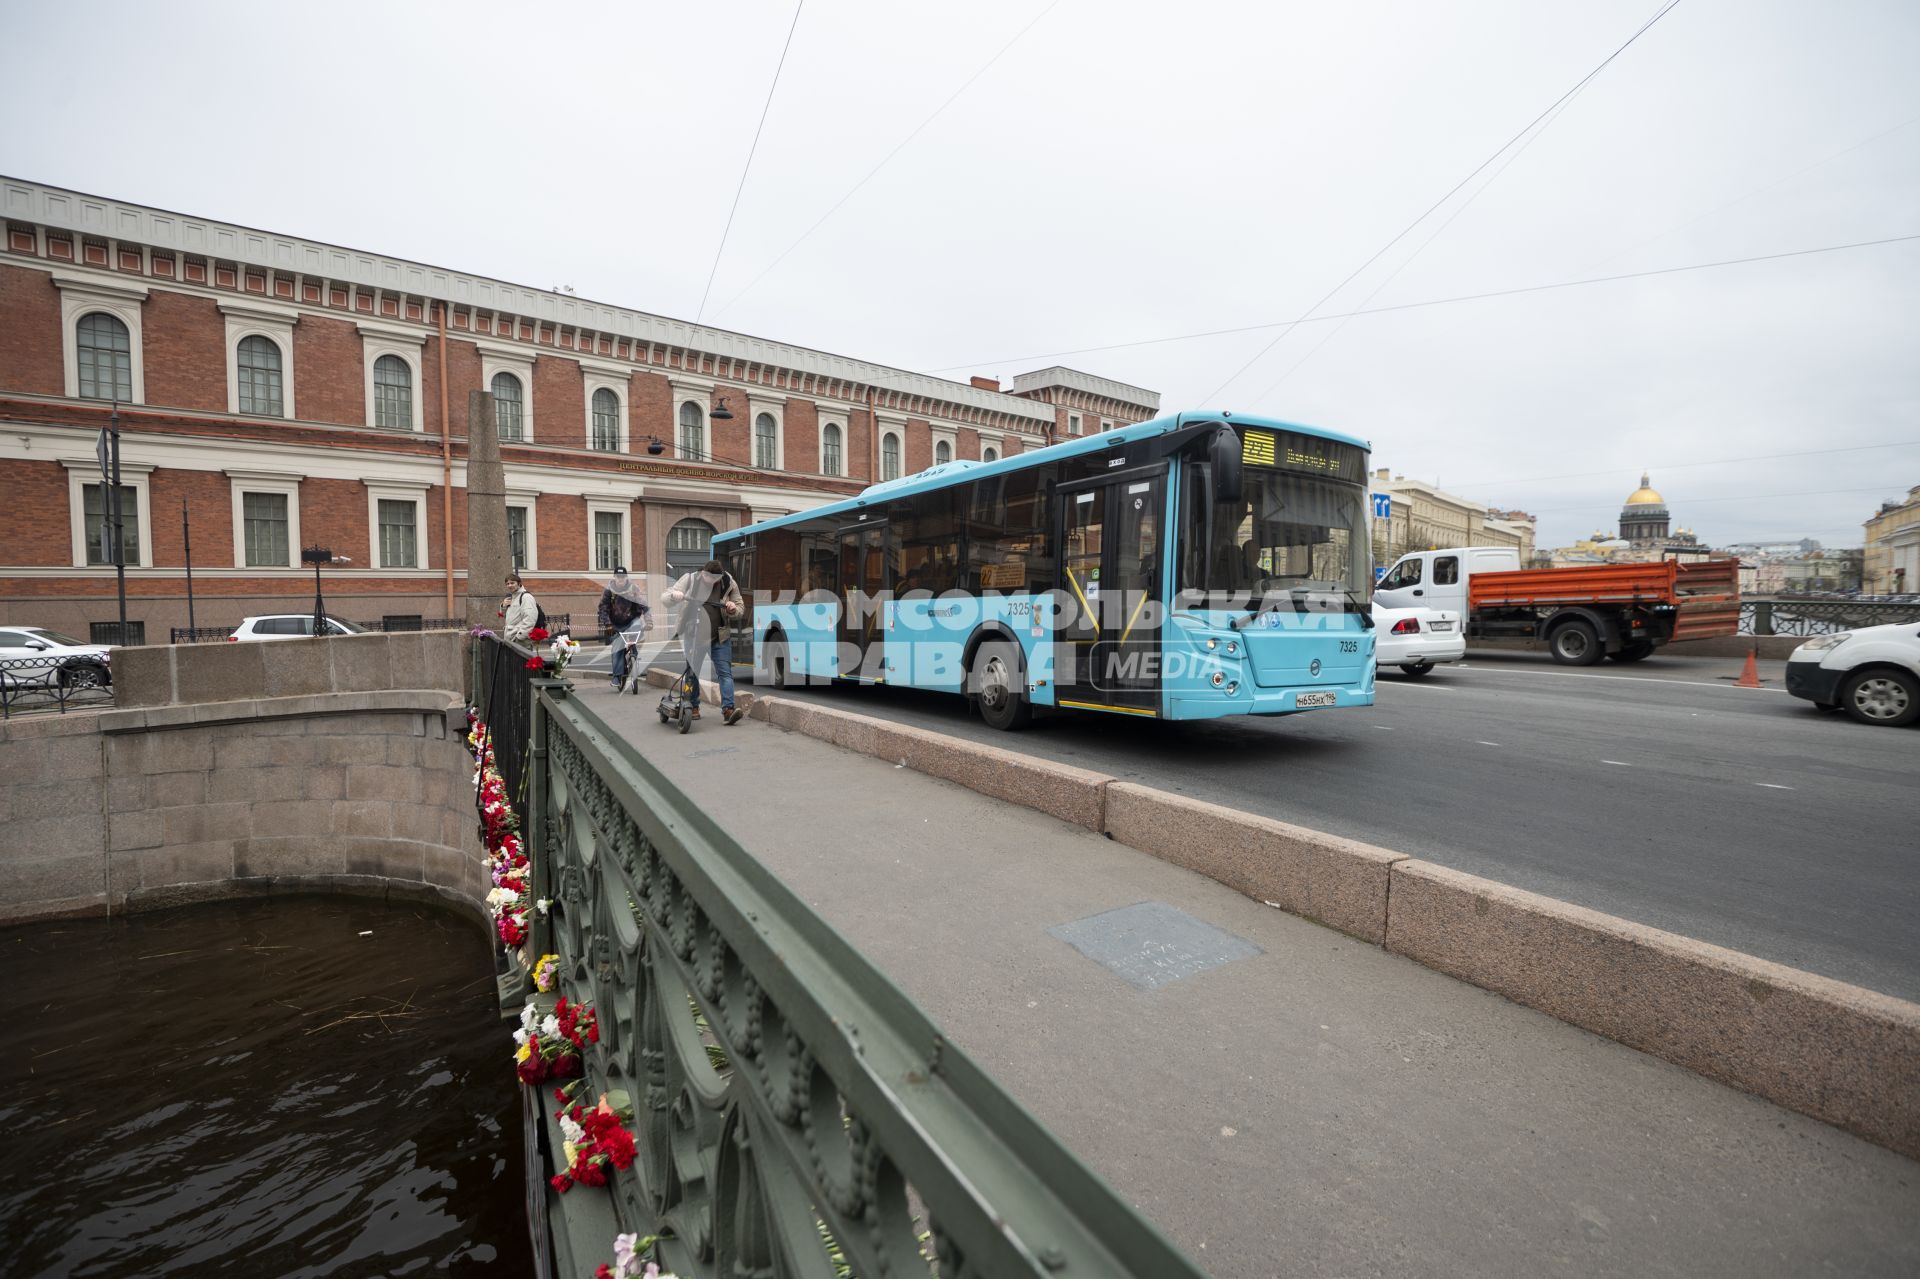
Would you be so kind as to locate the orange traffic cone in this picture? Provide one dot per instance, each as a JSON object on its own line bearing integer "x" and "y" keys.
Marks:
{"x": 1750, "y": 677}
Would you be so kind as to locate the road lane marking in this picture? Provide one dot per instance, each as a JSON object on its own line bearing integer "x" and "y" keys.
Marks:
{"x": 1634, "y": 679}
{"x": 1617, "y": 763}
{"x": 1489, "y": 743}
{"x": 1382, "y": 727}
{"x": 1772, "y": 786}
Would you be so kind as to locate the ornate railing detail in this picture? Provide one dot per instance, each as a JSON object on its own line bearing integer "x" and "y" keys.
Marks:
{"x": 66, "y": 682}
{"x": 796, "y": 1114}
{"x": 1820, "y": 617}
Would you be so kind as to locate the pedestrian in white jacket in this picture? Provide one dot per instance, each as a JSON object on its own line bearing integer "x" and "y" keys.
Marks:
{"x": 522, "y": 610}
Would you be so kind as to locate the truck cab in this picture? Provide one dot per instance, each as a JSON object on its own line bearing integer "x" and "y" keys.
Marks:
{"x": 1438, "y": 579}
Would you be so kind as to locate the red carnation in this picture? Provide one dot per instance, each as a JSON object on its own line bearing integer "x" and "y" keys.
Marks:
{"x": 537, "y": 634}
{"x": 560, "y": 1182}
{"x": 593, "y": 1032}
{"x": 534, "y": 664}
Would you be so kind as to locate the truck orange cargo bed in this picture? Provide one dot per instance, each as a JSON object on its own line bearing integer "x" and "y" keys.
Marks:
{"x": 1705, "y": 595}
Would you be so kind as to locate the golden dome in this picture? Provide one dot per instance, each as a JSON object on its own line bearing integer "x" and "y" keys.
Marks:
{"x": 1645, "y": 495}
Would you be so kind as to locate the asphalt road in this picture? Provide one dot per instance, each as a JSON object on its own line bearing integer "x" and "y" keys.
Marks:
{"x": 1658, "y": 792}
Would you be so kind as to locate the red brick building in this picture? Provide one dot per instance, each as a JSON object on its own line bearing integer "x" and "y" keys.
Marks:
{"x": 280, "y": 393}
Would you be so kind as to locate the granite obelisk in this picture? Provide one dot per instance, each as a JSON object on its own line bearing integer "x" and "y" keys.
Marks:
{"x": 488, "y": 557}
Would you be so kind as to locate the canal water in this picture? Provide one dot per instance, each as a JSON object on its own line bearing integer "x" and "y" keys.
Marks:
{"x": 294, "y": 1086}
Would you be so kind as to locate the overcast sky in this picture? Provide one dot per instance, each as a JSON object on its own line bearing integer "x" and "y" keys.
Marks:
{"x": 1126, "y": 171}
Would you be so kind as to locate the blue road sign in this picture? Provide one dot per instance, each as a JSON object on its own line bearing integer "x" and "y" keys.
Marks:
{"x": 1379, "y": 571}
{"x": 1383, "y": 506}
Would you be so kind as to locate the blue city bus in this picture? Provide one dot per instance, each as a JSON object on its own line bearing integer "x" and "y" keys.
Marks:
{"x": 1192, "y": 567}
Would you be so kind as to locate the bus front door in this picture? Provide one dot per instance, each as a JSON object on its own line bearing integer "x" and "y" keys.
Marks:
{"x": 1108, "y": 651}
{"x": 864, "y": 575}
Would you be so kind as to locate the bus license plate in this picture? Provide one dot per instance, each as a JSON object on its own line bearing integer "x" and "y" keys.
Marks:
{"x": 1316, "y": 699}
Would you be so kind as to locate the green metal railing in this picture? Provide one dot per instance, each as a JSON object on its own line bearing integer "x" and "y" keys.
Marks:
{"x": 796, "y": 1114}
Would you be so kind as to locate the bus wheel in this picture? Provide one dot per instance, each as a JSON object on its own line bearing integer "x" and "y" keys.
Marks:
{"x": 1575, "y": 643}
{"x": 777, "y": 672}
{"x": 998, "y": 686}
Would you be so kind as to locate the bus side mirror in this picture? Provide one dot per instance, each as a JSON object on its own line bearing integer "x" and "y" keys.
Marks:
{"x": 1223, "y": 458}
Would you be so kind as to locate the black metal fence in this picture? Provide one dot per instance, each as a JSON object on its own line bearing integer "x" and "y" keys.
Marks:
{"x": 48, "y": 682}
{"x": 1820, "y": 616}
{"x": 503, "y": 693}
{"x": 558, "y": 623}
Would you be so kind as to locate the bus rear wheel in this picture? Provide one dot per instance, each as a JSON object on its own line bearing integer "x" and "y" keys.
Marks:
{"x": 998, "y": 685}
{"x": 778, "y": 673}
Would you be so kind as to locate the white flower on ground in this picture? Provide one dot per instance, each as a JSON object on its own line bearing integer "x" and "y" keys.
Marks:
{"x": 501, "y": 898}
{"x": 550, "y": 1026}
{"x": 575, "y": 1133}
{"x": 544, "y": 904}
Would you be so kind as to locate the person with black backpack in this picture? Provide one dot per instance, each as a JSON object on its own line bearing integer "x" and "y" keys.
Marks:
{"x": 709, "y": 601}
{"x": 523, "y": 612}
{"x": 622, "y": 606}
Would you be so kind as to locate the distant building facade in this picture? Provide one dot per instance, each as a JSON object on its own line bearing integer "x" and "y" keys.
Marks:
{"x": 275, "y": 392}
{"x": 1890, "y": 561}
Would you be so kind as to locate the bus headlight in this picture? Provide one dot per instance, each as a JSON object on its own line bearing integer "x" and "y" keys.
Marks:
{"x": 1213, "y": 644}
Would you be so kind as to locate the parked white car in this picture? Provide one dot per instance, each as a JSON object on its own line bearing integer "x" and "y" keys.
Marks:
{"x": 34, "y": 655}
{"x": 285, "y": 626}
{"x": 1874, "y": 673}
{"x": 1416, "y": 639}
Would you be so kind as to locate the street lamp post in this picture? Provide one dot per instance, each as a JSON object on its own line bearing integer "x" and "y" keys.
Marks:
{"x": 316, "y": 556}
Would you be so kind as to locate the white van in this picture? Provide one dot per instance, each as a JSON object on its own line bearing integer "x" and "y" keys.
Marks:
{"x": 1438, "y": 579}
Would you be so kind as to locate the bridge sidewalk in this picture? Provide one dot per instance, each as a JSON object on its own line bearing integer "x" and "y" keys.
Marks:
{"x": 1319, "y": 1107}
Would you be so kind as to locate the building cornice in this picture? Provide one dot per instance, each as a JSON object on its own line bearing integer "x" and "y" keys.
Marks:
{"x": 84, "y": 214}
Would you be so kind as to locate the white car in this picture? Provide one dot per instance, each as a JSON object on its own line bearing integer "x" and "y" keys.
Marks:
{"x": 34, "y": 655}
{"x": 1416, "y": 639}
{"x": 285, "y": 626}
{"x": 1873, "y": 672}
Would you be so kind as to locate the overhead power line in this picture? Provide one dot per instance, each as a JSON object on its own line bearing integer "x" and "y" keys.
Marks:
{"x": 1701, "y": 501}
{"x": 748, "y": 167}
{"x": 1759, "y": 190}
{"x": 1406, "y": 230}
{"x": 1687, "y": 466}
{"x": 1430, "y": 302}
{"x": 887, "y": 158}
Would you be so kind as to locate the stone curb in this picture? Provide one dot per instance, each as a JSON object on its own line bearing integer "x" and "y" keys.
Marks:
{"x": 200, "y": 714}
{"x": 1839, "y": 1053}
{"x": 1337, "y": 882}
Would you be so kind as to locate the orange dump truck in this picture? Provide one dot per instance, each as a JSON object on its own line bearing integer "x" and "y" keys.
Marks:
{"x": 1584, "y": 613}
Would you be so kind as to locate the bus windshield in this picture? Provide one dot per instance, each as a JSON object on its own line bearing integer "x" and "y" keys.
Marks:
{"x": 1292, "y": 541}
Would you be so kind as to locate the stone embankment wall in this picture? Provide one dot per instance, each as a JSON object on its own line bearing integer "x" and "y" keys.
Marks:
{"x": 230, "y": 769}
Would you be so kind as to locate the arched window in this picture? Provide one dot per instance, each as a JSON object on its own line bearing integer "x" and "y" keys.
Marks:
{"x": 106, "y": 358}
{"x": 693, "y": 431}
{"x": 989, "y": 454}
{"x": 830, "y": 449}
{"x": 689, "y": 545}
{"x": 392, "y": 393}
{"x": 942, "y": 453}
{"x": 889, "y": 457}
{"x": 606, "y": 420}
{"x": 506, "y": 407}
{"x": 766, "y": 446}
{"x": 258, "y": 362}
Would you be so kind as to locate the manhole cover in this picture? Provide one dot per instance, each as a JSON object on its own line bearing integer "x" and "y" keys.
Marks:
{"x": 1152, "y": 944}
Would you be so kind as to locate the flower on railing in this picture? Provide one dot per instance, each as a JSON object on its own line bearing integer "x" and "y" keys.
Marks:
{"x": 563, "y": 649}
{"x": 507, "y": 863}
{"x": 594, "y": 1141}
{"x": 537, "y": 634}
{"x": 627, "y": 1261}
{"x": 551, "y": 1046}
{"x": 546, "y": 973}
{"x": 536, "y": 664}
{"x": 481, "y": 632}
